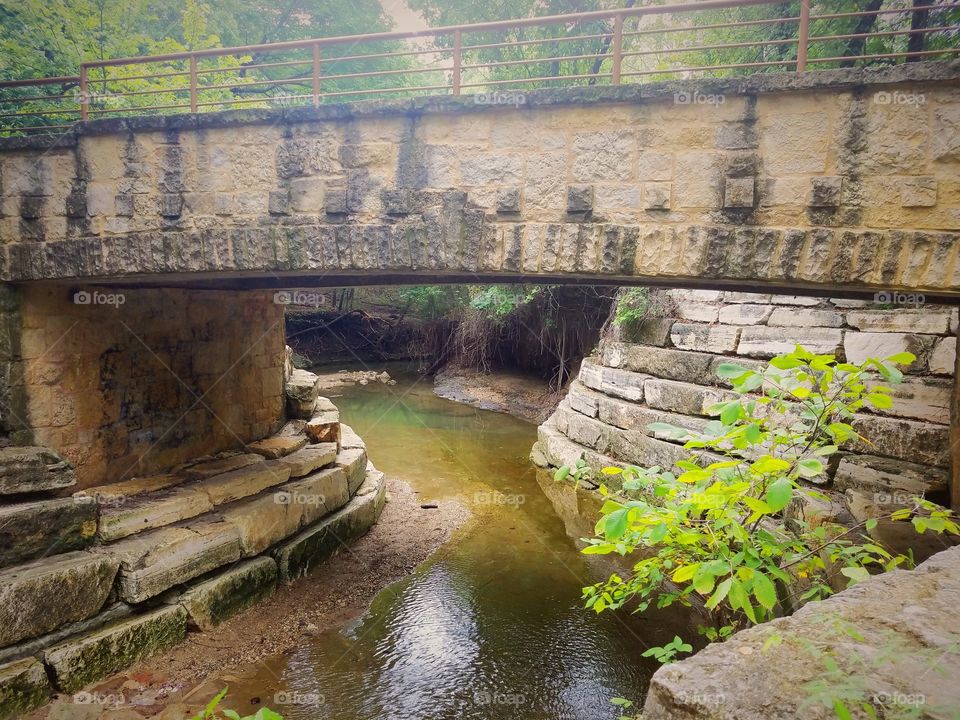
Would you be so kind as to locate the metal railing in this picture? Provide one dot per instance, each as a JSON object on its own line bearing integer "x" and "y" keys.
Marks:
{"x": 612, "y": 47}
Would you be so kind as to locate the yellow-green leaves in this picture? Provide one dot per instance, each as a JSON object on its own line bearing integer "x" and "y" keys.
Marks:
{"x": 769, "y": 465}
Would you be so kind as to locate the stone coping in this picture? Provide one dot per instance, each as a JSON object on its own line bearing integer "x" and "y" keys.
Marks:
{"x": 759, "y": 83}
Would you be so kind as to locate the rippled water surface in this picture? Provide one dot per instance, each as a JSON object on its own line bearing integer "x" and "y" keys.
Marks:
{"x": 492, "y": 625}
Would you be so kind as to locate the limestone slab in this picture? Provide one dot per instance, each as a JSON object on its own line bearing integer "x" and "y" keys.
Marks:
{"x": 277, "y": 447}
{"x": 119, "y": 492}
{"x": 219, "y": 466}
{"x": 886, "y": 475}
{"x": 23, "y": 686}
{"x": 263, "y": 521}
{"x": 324, "y": 424}
{"x": 152, "y": 511}
{"x": 302, "y": 389}
{"x": 683, "y": 398}
{"x": 246, "y": 481}
{"x": 923, "y": 399}
{"x": 354, "y": 463}
{"x": 861, "y": 346}
{"x": 665, "y": 363}
{"x": 309, "y": 458}
{"x": 709, "y": 338}
{"x": 319, "y": 494}
{"x": 745, "y": 314}
{"x": 766, "y": 342}
{"x": 805, "y": 317}
{"x": 220, "y": 598}
{"x": 349, "y": 438}
{"x": 47, "y": 527}
{"x": 80, "y": 661}
{"x": 33, "y": 469}
{"x": 902, "y": 320}
{"x": 903, "y": 439}
{"x": 943, "y": 359}
{"x": 45, "y": 594}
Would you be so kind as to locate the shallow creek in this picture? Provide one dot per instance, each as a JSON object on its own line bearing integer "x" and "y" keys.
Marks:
{"x": 492, "y": 625}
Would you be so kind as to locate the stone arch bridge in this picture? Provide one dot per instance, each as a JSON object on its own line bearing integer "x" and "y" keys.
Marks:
{"x": 139, "y": 254}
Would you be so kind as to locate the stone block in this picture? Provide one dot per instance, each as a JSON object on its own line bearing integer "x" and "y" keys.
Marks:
{"x": 933, "y": 321}
{"x": 579, "y": 198}
{"x": 826, "y": 191}
{"x": 335, "y": 201}
{"x": 709, "y": 338}
{"x": 802, "y": 300}
{"x": 583, "y": 400}
{"x": 794, "y": 317}
{"x": 654, "y": 166}
{"x": 349, "y": 438}
{"x": 278, "y": 446}
{"x": 314, "y": 545}
{"x": 354, "y": 464}
{"x": 911, "y": 440}
{"x": 171, "y": 205}
{"x": 210, "y": 468}
{"x": 745, "y": 314}
{"x": 246, "y": 481}
{"x": 76, "y": 205}
{"x": 746, "y": 297}
{"x": 151, "y": 511}
{"x": 766, "y": 342}
{"x": 307, "y": 195}
{"x": 123, "y": 205}
{"x": 859, "y": 346}
{"x": 738, "y": 192}
{"x": 278, "y": 202}
{"x": 117, "y": 493}
{"x": 78, "y": 662}
{"x": 631, "y": 416}
{"x": 652, "y": 331}
{"x": 211, "y": 602}
{"x": 44, "y": 528}
{"x": 943, "y": 359}
{"x": 302, "y": 390}
{"x": 324, "y": 424}
{"x": 319, "y": 494}
{"x": 310, "y": 458}
{"x": 45, "y": 594}
{"x": 924, "y": 399}
{"x": 32, "y": 207}
{"x": 508, "y": 200}
{"x": 656, "y": 195}
{"x": 397, "y": 201}
{"x": 33, "y": 469}
{"x": 886, "y": 476}
{"x": 698, "y": 312}
{"x": 263, "y": 521}
{"x": 682, "y": 398}
{"x": 153, "y": 562}
{"x": 918, "y": 191}
{"x": 23, "y": 686}
{"x": 659, "y": 362}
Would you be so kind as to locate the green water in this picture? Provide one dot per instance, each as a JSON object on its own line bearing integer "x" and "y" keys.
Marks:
{"x": 491, "y": 626}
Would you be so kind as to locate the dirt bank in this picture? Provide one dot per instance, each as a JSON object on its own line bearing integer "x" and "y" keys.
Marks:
{"x": 523, "y": 396}
{"x": 177, "y": 684}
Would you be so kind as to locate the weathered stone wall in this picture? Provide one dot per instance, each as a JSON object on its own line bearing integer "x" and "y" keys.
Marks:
{"x": 668, "y": 375}
{"x": 837, "y": 180}
{"x": 155, "y": 378}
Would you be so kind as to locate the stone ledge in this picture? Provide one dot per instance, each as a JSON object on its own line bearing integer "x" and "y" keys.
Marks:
{"x": 23, "y": 686}
{"x": 211, "y": 602}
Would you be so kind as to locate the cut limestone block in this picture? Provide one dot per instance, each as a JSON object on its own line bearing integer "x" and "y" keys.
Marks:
{"x": 45, "y": 594}
{"x": 277, "y": 446}
{"x": 120, "y": 492}
{"x": 263, "y": 521}
{"x": 354, "y": 464}
{"x": 33, "y": 469}
{"x": 152, "y": 511}
{"x": 324, "y": 423}
{"x": 709, "y": 338}
{"x": 44, "y": 528}
{"x": 215, "y": 600}
{"x": 219, "y": 466}
{"x": 245, "y": 482}
{"x": 310, "y": 458}
{"x": 860, "y": 346}
{"x": 157, "y": 560}
{"x": 80, "y": 661}
{"x": 683, "y": 398}
{"x": 302, "y": 389}
{"x": 902, "y": 439}
{"x": 943, "y": 359}
{"x": 23, "y": 686}
{"x": 374, "y": 484}
{"x": 924, "y": 399}
{"x": 660, "y": 362}
{"x": 888, "y": 476}
{"x": 319, "y": 494}
{"x": 903, "y": 320}
{"x": 317, "y": 543}
{"x": 766, "y": 342}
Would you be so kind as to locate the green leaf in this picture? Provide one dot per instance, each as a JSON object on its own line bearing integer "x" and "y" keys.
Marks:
{"x": 840, "y": 710}
{"x": 232, "y": 714}
{"x": 764, "y": 590}
{"x": 753, "y": 433}
{"x": 870, "y": 524}
{"x": 902, "y": 358}
{"x": 719, "y": 594}
{"x": 779, "y": 494}
{"x": 703, "y": 582}
{"x": 809, "y": 467}
{"x": 730, "y": 413}
{"x": 685, "y": 572}
{"x": 731, "y": 370}
{"x": 855, "y": 573}
{"x": 561, "y": 473}
{"x": 615, "y": 524}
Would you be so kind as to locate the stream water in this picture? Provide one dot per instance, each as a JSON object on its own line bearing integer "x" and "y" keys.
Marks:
{"x": 492, "y": 625}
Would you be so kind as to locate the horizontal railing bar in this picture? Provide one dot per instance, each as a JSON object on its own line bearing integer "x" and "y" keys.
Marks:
{"x": 883, "y": 33}
{"x": 40, "y": 81}
{"x": 255, "y": 83}
{"x": 37, "y": 97}
{"x": 103, "y": 111}
{"x": 536, "y": 79}
{"x": 343, "y": 93}
{"x": 536, "y": 60}
{"x": 34, "y": 113}
{"x": 762, "y": 43}
{"x": 878, "y": 56}
{"x": 539, "y": 41}
{"x": 118, "y": 78}
{"x": 379, "y": 73}
{"x": 158, "y": 91}
{"x": 889, "y": 11}
{"x": 671, "y": 71}
{"x": 243, "y": 68}
{"x": 436, "y": 32}
{"x": 342, "y": 58}
{"x": 715, "y": 26}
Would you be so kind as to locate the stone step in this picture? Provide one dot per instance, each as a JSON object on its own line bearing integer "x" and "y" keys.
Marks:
{"x": 310, "y": 458}
{"x": 317, "y": 543}
{"x": 324, "y": 424}
{"x": 155, "y": 561}
{"x": 77, "y": 662}
{"x": 354, "y": 464}
{"x": 218, "y": 466}
{"x": 44, "y": 528}
{"x": 41, "y": 596}
{"x": 277, "y": 446}
{"x": 23, "y": 686}
{"x": 302, "y": 389}
{"x": 33, "y": 469}
{"x": 211, "y": 602}
{"x": 119, "y": 492}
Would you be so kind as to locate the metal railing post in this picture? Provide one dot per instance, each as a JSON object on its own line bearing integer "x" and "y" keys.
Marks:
{"x": 803, "y": 39}
{"x": 193, "y": 84}
{"x": 617, "y": 49}
{"x": 457, "y": 59}
{"x": 84, "y": 97}
{"x": 316, "y": 74}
